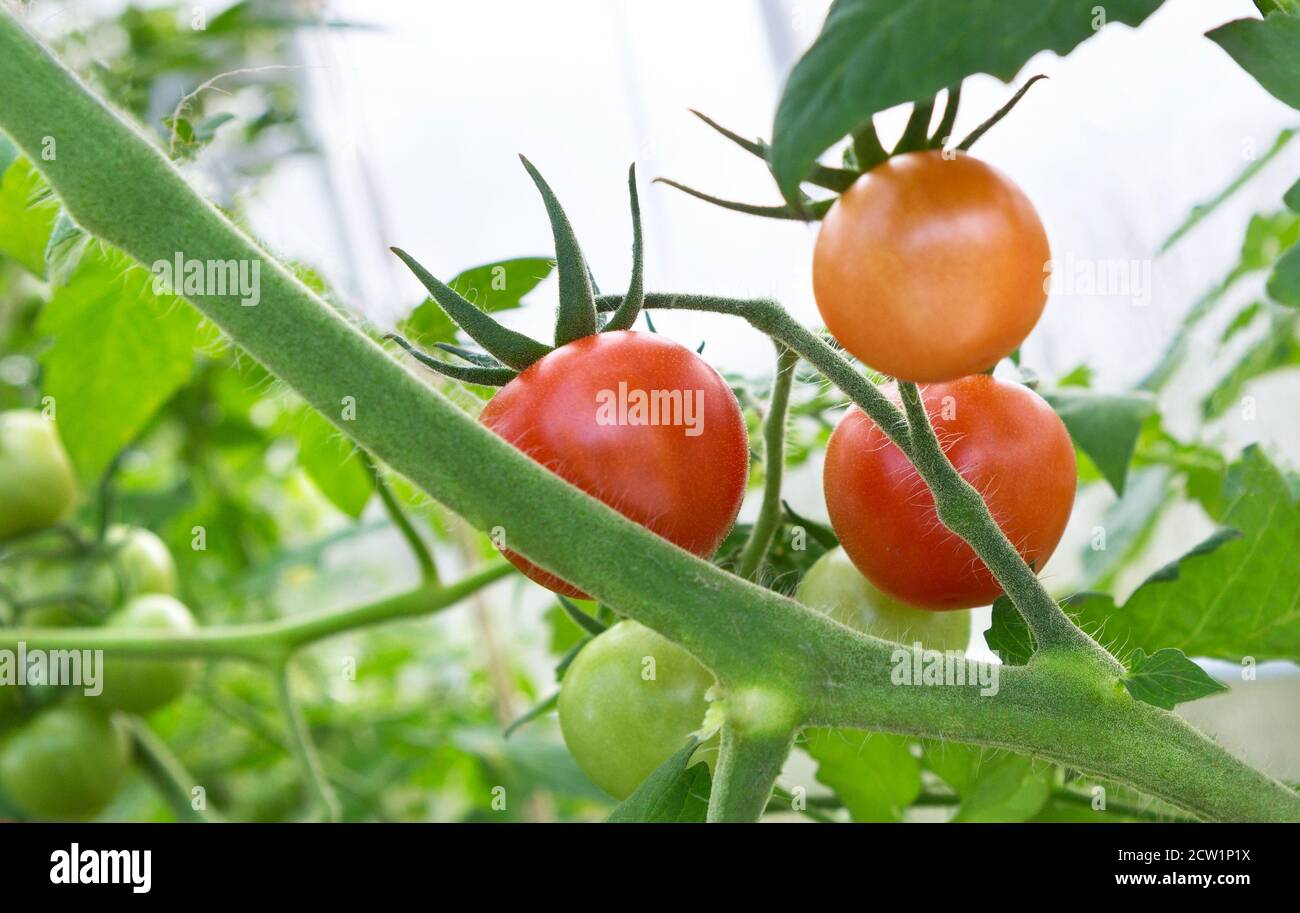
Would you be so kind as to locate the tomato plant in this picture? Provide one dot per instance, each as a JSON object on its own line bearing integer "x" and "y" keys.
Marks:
{"x": 629, "y": 701}
{"x": 1003, "y": 439}
{"x": 66, "y": 762}
{"x": 931, "y": 267}
{"x": 298, "y": 469}
{"x": 834, "y": 586}
{"x": 638, "y": 421}
{"x": 37, "y": 484}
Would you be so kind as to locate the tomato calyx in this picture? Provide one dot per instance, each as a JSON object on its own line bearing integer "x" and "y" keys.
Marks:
{"x": 860, "y": 156}
{"x": 507, "y": 352}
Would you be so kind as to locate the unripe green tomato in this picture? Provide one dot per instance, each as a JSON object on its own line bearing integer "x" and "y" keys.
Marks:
{"x": 143, "y": 685}
{"x": 143, "y": 561}
{"x": 12, "y": 704}
{"x": 628, "y": 702}
{"x": 65, "y": 762}
{"x": 37, "y": 485}
{"x": 835, "y": 587}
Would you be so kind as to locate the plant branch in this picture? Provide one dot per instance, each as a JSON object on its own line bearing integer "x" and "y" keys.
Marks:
{"x": 423, "y": 557}
{"x": 304, "y": 748}
{"x": 257, "y": 641}
{"x": 173, "y": 781}
{"x": 962, "y": 510}
{"x": 769, "y": 512}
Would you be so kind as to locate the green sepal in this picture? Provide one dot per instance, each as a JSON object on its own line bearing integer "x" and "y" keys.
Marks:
{"x": 917, "y": 132}
{"x": 812, "y": 211}
{"x": 592, "y": 626}
{"x": 998, "y": 115}
{"x": 480, "y": 359}
{"x": 837, "y": 179}
{"x": 510, "y": 348}
{"x": 944, "y": 130}
{"x": 470, "y": 374}
{"x": 576, "y": 317}
{"x": 868, "y": 151}
{"x": 541, "y": 708}
{"x": 630, "y": 307}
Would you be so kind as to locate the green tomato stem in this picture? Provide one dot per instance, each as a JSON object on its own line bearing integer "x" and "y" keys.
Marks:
{"x": 304, "y": 748}
{"x": 170, "y": 777}
{"x": 258, "y": 641}
{"x": 423, "y": 556}
{"x": 748, "y": 766}
{"x": 769, "y": 512}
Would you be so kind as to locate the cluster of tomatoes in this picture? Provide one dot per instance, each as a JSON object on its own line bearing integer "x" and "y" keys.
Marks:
{"x": 931, "y": 268}
{"x": 64, "y": 752}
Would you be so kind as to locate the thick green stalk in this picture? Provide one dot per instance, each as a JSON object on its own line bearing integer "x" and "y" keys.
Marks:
{"x": 119, "y": 187}
{"x": 257, "y": 641}
{"x": 769, "y": 512}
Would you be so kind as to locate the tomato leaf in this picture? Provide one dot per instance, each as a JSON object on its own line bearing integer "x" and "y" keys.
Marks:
{"x": 1008, "y": 635}
{"x": 874, "y": 54}
{"x": 332, "y": 462}
{"x": 1235, "y": 595}
{"x": 1275, "y": 349}
{"x": 119, "y": 353}
{"x": 1266, "y": 49}
{"x": 27, "y": 214}
{"x": 1127, "y": 524}
{"x": 673, "y": 794}
{"x": 1167, "y": 678}
{"x": 1284, "y": 283}
{"x": 873, "y": 773}
{"x": 1105, "y": 426}
{"x": 993, "y": 786}
{"x": 1292, "y": 197}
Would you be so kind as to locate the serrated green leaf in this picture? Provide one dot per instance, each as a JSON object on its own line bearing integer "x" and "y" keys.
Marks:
{"x": 1167, "y": 678}
{"x": 64, "y": 249}
{"x": 1266, "y": 49}
{"x": 993, "y": 786}
{"x": 119, "y": 352}
{"x": 1127, "y": 524}
{"x": 1292, "y": 197}
{"x": 27, "y": 214}
{"x": 332, "y": 462}
{"x": 1105, "y": 426}
{"x": 1008, "y": 635}
{"x": 874, "y": 54}
{"x": 1235, "y": 595}
{"x": 673, "y": 794}
{"x": 1284, "y": 283}
{"x": 873, "y": 773}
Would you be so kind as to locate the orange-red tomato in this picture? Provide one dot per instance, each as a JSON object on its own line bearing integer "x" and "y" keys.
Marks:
{"x": 928, "y": 269}
{"x": 1003, "y": 439}
{"x": 638, "y": 421}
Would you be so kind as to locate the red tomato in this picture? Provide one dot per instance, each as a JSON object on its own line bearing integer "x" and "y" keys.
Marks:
{"x": 928, "y": 268}
{"x": 1003, "y": 439}
{"x": 638, "y": 421}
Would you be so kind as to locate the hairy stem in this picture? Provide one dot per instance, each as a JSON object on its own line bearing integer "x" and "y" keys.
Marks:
{"x": 963, "y": 511}
{"x": 256, "y": 641}
{"x": 304, "y": 748}
{"x": 769, "y": 512}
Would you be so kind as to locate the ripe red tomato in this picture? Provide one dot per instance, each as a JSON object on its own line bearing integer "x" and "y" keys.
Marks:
{"x": 928, "y": 269}
{"x": 638, "y": 421}
{"x": 1003, "y": 439}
